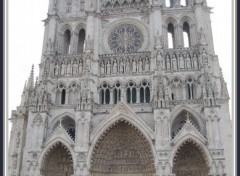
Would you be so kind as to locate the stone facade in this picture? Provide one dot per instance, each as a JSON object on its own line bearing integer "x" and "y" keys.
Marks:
{"x": 122, "y": 92}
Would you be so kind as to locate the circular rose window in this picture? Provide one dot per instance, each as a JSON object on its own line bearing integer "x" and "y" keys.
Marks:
{"x": 126, "y": 38}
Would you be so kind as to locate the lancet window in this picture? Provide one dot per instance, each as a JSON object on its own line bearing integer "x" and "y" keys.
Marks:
{"x": 104, "y": 94}
{"x": 131, "y": 93}
{"x": 186, "y": 35}
{"x": 144, "y": 92}
{"x": 67, "y": 41}
{"x": 171, "y": 36}
{"x": 81, "y": 39}
{"x": 61, "y": 94}
{"x": 117, "y": 92}
{"x": 190, "y": 89}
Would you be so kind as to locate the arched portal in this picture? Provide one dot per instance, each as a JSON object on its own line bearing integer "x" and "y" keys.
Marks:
{"x": 190, "y": 160}
{"x": 58, "y": 161}
{"x": 123, "y": 150}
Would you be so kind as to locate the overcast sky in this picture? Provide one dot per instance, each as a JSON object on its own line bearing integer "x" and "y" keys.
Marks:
{"x": 26, "y": 31}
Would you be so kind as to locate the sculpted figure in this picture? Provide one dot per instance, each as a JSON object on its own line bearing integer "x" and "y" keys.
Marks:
{"x": 75, "y": 68}
{"x": 122, "y": 66}
{"x": 160, "y": 59}
{"x": 102, "y": 67}
{"x": 181, "y": 61}
{"x": 80, "y": 67}
{"x": 188, "y": 61}
{"x": 18, "y": 139}
{"x": 108, "y": 67}
{"x": 56, "y": 69}
{"x": 168, "y": 62}
{"x": 140, "y": 65}
{"x": 115, "y": 66}
{"x": 195, "y": 61}
{"x": 69, "y": 68}
{"x": 204, "y": 57}
{"x": 158, "y": 40}
{"x": 147, "y": 65}
{"x": 63, "y": 68}
{"x": 174, "y": 62}
{"x": 134, "y": 66}
{"x": 127, "y": 66}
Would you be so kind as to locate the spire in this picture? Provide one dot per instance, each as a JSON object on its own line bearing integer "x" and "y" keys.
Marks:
{"x": 31, "y": 78}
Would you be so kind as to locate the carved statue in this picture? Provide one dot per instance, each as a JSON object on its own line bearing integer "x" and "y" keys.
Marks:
{"x": 195, "y": 61}
{"x": 115, "y": 66}
{"x": 75, "y": 68}
{"x": 127, "y": 66}
{"x": 188, "y": 62}
{"x": 108, "y": 67}
{"x": 122, "y": 66}
{"x": 204, "y": 57}
{"x": 80, "y": 67}
{"x": 140, "y": 65}
{"x": 181, "y": 62}
{"x": 63, "y": 68}
{"x": 147, "y": 65}
{"x": 168, "y": 62}
{"x": 69, "y": 68}
{"x": 174, "y": 62}
{"x": 102, "y": 67}
{"x": 160, "y": 59}
{"x": 56, "y": 69}
{"x": 88, "y": 63}
{"x": 134, "y": 66}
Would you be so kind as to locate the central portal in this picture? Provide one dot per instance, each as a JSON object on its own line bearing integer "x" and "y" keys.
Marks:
{"x": 122, "y": 151}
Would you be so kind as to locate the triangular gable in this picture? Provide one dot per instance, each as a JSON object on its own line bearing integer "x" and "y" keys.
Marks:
{"x": 60, "y": 132}
{"x": 188, "y": 129}
{"x": 122, "y": 110}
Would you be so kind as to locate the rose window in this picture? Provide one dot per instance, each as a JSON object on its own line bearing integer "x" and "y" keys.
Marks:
{"x": 125, "y": 39}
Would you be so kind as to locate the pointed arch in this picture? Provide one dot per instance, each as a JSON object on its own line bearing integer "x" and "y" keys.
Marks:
{"x": 194, "y": 114}
{"x": 51, "y": 144}
{"x": 197, "y": 143}
{"x": 103, "y": 156}
{"x": 121, "y": 112}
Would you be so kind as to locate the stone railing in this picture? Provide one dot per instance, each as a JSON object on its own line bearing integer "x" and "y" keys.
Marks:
{"x": 124, "y": 64}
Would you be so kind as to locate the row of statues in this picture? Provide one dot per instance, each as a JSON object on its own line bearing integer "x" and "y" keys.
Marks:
{"x": 71, "y": 67}
{"x": 125, "y": 66}
{"x": 181, "y": 62}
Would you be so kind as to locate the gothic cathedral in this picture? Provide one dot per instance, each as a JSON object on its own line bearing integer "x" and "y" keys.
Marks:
{"x": 125, "y": 88}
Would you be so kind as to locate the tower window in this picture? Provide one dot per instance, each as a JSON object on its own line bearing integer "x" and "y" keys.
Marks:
{"x": 134, "y": 95}
{"x": 171, "y": 42}
{"x": 81, "y": 39}
{"x": 186, "y": 35}
{"x": 63, "y": 96}
{"x": 67, "y": 40}
{"x": 128, "y": 95}
{"x": 183, "y": 3}
{"x": 169, "y": 3}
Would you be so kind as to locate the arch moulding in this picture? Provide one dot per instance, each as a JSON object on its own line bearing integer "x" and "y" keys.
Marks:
{"x": 121, "y": 113}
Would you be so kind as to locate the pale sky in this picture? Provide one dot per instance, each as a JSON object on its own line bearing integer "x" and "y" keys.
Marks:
{"x": 26, "y": 31}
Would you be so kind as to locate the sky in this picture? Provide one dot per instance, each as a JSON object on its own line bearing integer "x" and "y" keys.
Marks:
{"x": 25, "y": 38}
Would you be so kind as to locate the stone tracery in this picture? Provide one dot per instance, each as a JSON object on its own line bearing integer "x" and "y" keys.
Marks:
{"x": 125, "y": 38}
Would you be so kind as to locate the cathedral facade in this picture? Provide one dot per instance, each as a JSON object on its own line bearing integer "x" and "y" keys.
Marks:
{"x": 125, "y": 88}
